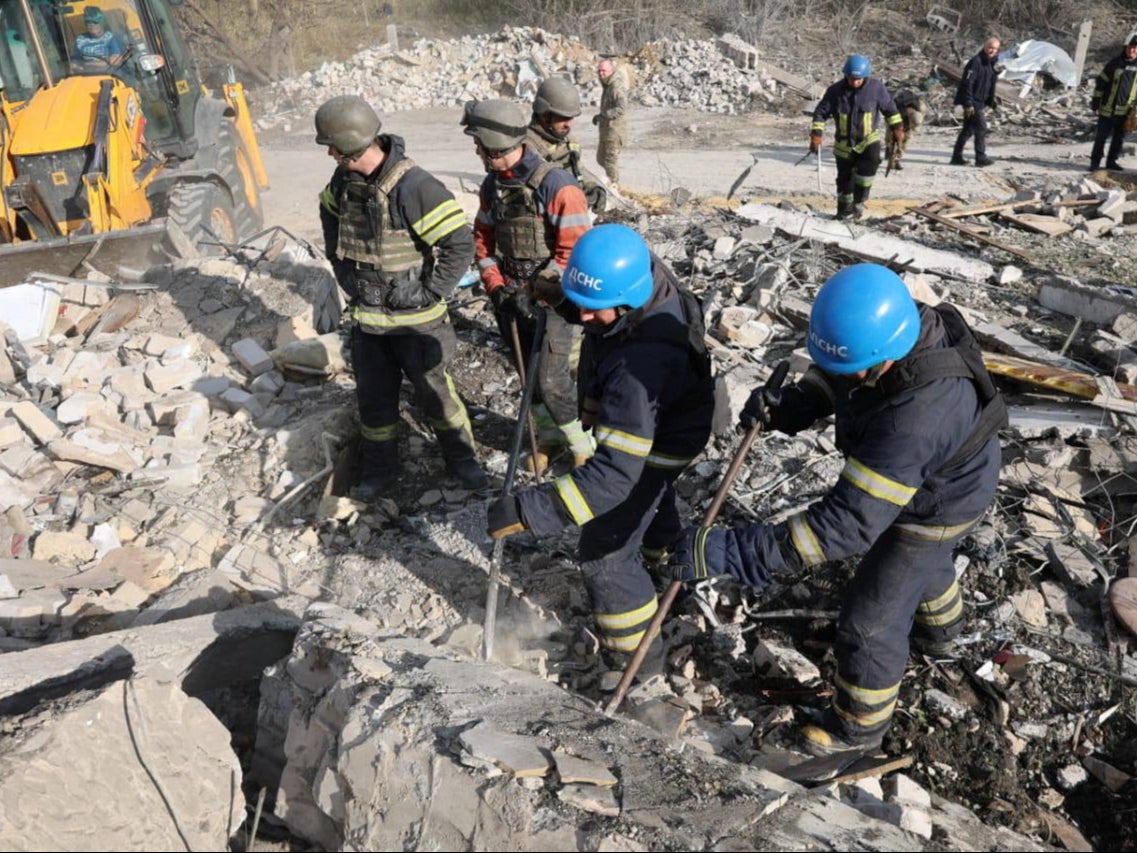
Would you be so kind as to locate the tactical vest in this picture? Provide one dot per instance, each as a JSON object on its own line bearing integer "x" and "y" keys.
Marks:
{"x": 963, "y": 360}
{"x": 567, "y": 155}
{"x": 520, "y": 231}
{"x": 367, "y": 231}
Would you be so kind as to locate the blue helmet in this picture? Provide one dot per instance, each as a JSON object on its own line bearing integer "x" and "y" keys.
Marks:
{"x": 610, "y": 266}
{"x": 857, "y": 65}
{"x": 863, "y": 315}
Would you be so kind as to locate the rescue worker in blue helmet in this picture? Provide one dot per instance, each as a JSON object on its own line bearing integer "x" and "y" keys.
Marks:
{"x": 646, "y": 393}
{"x": 856, "y": 103}
{"x": 917, "y": 419}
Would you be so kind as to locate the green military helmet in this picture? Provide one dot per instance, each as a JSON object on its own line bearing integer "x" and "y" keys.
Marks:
{"x": 348, "y": 122}
{"x": 558, "y": 96}
{"x": 499, "y": 125}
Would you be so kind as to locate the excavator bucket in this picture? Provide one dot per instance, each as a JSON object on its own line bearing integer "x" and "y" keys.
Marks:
{"x": 136, "y": 247}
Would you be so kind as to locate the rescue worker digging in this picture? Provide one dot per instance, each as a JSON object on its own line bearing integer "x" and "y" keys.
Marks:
{"x": 856, "y": 103}
{"x": 529, "y": 218}
{"x": 549, "y": 135}
{"x": 398, "y": 242}
{"x": 917, "y": 419}
{"x": 648, "y": 395}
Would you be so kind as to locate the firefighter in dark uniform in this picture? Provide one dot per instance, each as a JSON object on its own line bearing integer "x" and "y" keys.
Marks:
{"x": 1115, "y": 95}
{"x": 647, "y": 394}
{"x": 917, "y": 420}
{"x": 976, "y": 93}
{"x": 398, "y": 242}
{"x": 555, "y": 106}
{"x": 856, "y": 104}
{"x": 530, "y": 215}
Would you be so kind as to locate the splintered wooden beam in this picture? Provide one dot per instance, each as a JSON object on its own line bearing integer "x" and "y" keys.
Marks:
{"x": 972, "y": 233}
{"x": 1071, "y": 382}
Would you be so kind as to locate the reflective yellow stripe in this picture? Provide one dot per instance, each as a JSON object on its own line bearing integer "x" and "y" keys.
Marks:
{"x": 817, "y": 128}
{"x": 863, "y": 180}
{"x": 671, "y": 463}
{"x": 934, "y": 532}
{"x": 842, "y": 126}
{"x": 328, "y": 200}
{"x": 573, "y": 500}
{"x": 391, "y": 321}
{"x": 622, "y": 644}
{"x": 866, "y": 696}
{"x": 628, "y": 619}
{"x": 441, "y": 221}
{"x": 867, "y": 480}
{"x": 894, "y": 120}
{"x": 382, "y": 433}
{"x": 805, "y": 540}
{"x": 869, "y": 719}
{"x": 623, "y": 441}
{"x": 940, "y": 602}
{"x": 946, "y": 618}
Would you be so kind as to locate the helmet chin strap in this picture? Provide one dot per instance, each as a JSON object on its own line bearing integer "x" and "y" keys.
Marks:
{"x": 873, "y": 375}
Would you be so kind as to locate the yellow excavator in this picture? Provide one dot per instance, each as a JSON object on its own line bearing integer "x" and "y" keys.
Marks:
{"x": 108, "y": 138}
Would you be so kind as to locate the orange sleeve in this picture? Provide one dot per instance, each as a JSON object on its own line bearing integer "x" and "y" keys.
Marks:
{"x": 568, "y": 213}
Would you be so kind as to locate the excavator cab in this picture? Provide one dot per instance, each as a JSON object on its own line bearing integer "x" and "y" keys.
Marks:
{"x": 107, "y": 136}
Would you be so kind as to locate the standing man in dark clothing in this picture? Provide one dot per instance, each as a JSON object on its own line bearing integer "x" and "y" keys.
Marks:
{"x": 398, "y": 242}
{"x": 856, "y": 104}
{"x": 550, "y": 136}
{"x": 648, "y": 396}
{"x": 975, "y": 93}
{"x": 1114, "y": 97}
{"x": 917, "y": 420}
{"x": 530, "y": 215}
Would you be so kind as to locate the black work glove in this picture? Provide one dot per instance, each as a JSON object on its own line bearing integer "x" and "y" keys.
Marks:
{"x": 409, "y": 293}
{"x": 596, "y": 119}
{"x": 504, "y": 518}
{"x": 700, "y": 552}
{"x": 764, "y": 406}
{"x": 547, "y": 286}
{"x": 504, "y": 299}
{"x": 345, "y": 275}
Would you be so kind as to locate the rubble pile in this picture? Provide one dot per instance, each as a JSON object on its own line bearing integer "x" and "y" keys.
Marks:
{"x": 511, "y": 63}
{"x": 174, "y": 463}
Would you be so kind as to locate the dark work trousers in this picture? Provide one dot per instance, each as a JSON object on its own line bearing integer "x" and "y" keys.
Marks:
{"x": 1113, "y": 129}
{"x": 621, "y": 590}
{"x": 906, "y": 579}
{"x": 381, "y": 361}
{"x": 560, "y": 355}
{"x": 855, "y": 175}
{"x": 976, "y": 125}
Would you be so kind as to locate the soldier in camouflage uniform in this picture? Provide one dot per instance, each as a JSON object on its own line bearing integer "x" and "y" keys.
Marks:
{"x": 550, "y": 136}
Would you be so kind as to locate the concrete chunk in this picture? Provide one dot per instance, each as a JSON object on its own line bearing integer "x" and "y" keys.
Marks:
{"x": 773, "y": 659}
{"x": 11, "y": 433}
{"x": 571, "y": 770}
{"x": 236, "y": 399}
{"x": 42, "y": 428}
{"x": 518, "y": 756}
{"x": 1094, "y": 305}
{"x": 252, "y": 356}
{"x": 601, "y": 801}
{"x": 63, "y": 547}
{"x": 166, "y": 377}
{"x": 75, "y": 408}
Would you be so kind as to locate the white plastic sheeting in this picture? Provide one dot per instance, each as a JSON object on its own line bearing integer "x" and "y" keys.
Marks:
{"x": 1032, "y": 57}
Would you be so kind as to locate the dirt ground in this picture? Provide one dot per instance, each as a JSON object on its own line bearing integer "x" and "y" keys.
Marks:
{"x": 701, "y": 152}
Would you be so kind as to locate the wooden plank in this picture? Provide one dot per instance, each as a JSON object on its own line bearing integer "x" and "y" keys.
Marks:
{"x": 1075, "y": 383}
{"x": 1041, "y": 223}
{"x": 970, "y": 232}
{"x": 874, "y": 766}
{"x": 1083, "y": 45}
{"x": 958, "y": 213}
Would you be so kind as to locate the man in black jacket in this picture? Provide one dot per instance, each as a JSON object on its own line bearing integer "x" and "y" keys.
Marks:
{"x": 975, "y": 93}
{"x": 1114, "y": 97}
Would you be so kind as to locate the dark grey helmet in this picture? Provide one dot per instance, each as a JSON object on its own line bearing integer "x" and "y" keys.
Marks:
{"x": 558, "y": 96}
{"x": 499, "y": 125}
{"x": 348, "y": 122}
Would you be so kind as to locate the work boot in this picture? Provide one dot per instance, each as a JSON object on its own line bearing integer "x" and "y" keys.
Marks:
{"x": 821, "y": 739}
{"x": 859, "y": 212}
{"x": 378, "y": 470}
{"x": 1094, "y": 167}
{"x": 899, "y": 167}
{"x": 944, "y": 649}
{"x": 468, "y": 472}
{"x": 983, "y": 160}
{"x": 1114, "y": 166}
{"x": 957, "y": 160}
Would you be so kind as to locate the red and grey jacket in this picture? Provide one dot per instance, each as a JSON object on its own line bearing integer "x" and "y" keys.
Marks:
{"x": 526, "y": 216}
{"x": 651, "y": 375}
{"x": 922, "y": 457}
{"x": 857, "y": 113}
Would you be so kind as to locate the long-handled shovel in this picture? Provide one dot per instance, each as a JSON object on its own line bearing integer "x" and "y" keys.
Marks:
{"x": 510, "y": 474}
{"x": 775, "y": 382}
{"x": 519, "y": 360}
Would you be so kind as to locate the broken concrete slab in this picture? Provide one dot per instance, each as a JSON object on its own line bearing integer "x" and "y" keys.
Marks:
{"x": 252, "y": 357}
{"x": 869, "y": 244}
{"x": 65, "y": 547}
{"x": 41, "y": 427}
{"x": 775, "y": 660}
{"x": 142, "y": 765}
{"x": 589, "y": 798}
{"x": 485, "y": 746}
{"x": 573, "y": 770}
{"x": 1092, "y": 304}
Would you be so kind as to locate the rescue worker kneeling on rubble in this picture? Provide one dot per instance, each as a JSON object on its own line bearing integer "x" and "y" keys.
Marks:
{"x": 856, "y": 103}
{"x": 917, "y": 420}
{"x": 530, "y": 215}
{"x": 549, "y": 135}
{"x": 399, "y": 243}
{"x": 648, "y": 395}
